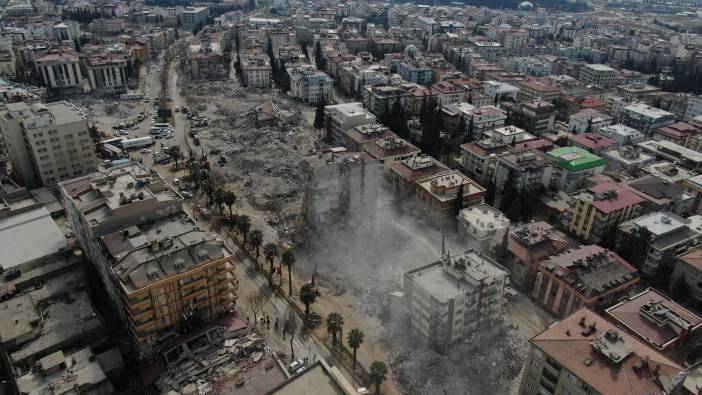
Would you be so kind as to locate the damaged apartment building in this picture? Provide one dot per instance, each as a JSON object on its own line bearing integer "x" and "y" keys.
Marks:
{"x": 162, "y": 272}
{"x": 454, "y": 297}
{"x": 209, "y": 55}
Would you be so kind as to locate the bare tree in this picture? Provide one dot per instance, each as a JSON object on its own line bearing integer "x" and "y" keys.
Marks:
{"x": 290, "y": 327}
{"x": 255, "y": 304}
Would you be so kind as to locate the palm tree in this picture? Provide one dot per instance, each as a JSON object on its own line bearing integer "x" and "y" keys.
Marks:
{"x": 377, "y": 373}
{"x": 218, "y": 197}
{"x": 335, "y": 322}
{"x": 354, "y": 339}
{"x": 288, "y": 259}
{"x": 243, "y": 224}
{"x": 256, "y": 240}
{"x": 209, "y": 188}
{"x": 270, "y": 250}
{"x": 307, "y": 296}
{"x": 174, "y": 153}
{"x": 229, "y": 199}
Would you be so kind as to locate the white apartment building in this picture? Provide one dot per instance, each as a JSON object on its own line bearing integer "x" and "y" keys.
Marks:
{"x": 453, "y": 297}
{"x": 646, "y": 118}
{"x": 597, "y": 74}
{"x": 311, "y": 86}
{"x": 256, "y": 70}
{"x": 191, "y": 16}
{"x": 482, "y": 226}
{"x": 341, "y": 117}
{"x": 498, "y": 91}
{"x": 588, "y": 121}
{"x": 47, "y": 143}
{"x": 59, "y": 70}
{"x": 107, "y": 73}
{"x": 622, "y": 134}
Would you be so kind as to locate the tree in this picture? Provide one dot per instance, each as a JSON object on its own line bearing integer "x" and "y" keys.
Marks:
{"x": 255, "y": 304}
{"x": 354, "y": 339}
{"x": 290, "y": 327}
{"x": 243, "y": 225}
{"x": 319, "y": 60}
{"x": 397, "y": 122}
{"x": 681, "y": 291}
{"x": 431, "y": 128}
{"x": 307, "y": 296}
{"x": 256, "y": 240}
{"x": 319, "y": 115}
{"x": 270, "y": 251}
{"x": 303, "y": 47}
{"x": 229, "y": 198}
{"x": 209, "y": 188}
{"x": 284, "y": 77}
{"x": 175, "y": 154}
{"x": 288, "y": 259}
{"x": 176, "y": 36}
{"x": 219, "y": 199}
{"x": 76, "y": 44}
{"x": 377, "y": 373}
{"x": 561, "y": 141}
{"x": 335, "y": 324}
{"x": 490, "y": 193}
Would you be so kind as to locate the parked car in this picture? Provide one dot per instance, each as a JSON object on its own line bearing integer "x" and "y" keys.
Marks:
{"x": 296, "y": 365}
{"x": 187, "y": 194}
{"x": 145, "y": 151}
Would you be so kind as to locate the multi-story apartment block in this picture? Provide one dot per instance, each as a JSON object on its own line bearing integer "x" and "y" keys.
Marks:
{"x": 669, "y": 235}
{"x": 622, "y": 134}
{"x": 594, "y": 211}
{"x": 47, "y": 143}
{"x": 59, "y": 70}
{"x": 655, "y": 320}
{"x": 678, "y": 133}
{"x": 440, "y": 194}
{"x": 585, "y": 354}
{"x": 482, "y": 226}
{"x": 529, "y": 244}
{"x": 160, "y": 270}
{"x": 406, "y": 172}
{"x": 645, "y": 118}
{"x": 380, "y": 99}
{"x": 694, "y": 108}
{"x": 415, "y": 71}
{"x": 531, "y": 89}
{"x": 449, "y": 93}
{"x": 588, "y": 276}
{"x": 341, "y": 117}
{"x": 571, "y": 165}
{"x": 597, "y": 74}
{"x": 537, "y": 116}
{"x": 256, "y": 69}
{"x": 478, "y": 157}
{"x": 690, "y": 159}
{"x": 498, "y": 91}
{"x": 107, "y": 73}
{"x": 312, "y": 86}
{"x": 588, "y": 121}
{"x": 529, "y": 168}
{"x": 454, "y": 297}
{"x": 593, "y": 142}
{"x": 390, "y": 150}
{"x": 627, "y": 159}
{"x": 191, "y": 16}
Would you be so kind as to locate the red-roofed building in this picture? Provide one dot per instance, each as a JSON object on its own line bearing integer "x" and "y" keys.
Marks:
{"x": 594, "y": 211}
{"x": 532, "y": 89}
{"x": 584, "y": 354}
{"x": 592, "y": 142}
{"x": 390, "y": 150}
{"x": 59, "y": 70}
{"x": 405, "y": 172}
{"x": 589, "y": 276}
{"x": 679, "y": 132}
{"x": 449, "y": 93}
{"x": 689, "y": 266}
{"x": 655, "y": 320}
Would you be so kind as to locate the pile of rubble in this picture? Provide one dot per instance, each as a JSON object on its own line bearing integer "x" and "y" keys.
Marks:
{"x": 260, "y": 137}
{"x": 488, "y": 363}
{"x": 214, "y": 366}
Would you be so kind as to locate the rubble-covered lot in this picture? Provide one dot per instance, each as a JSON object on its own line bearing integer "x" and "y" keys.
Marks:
{"x": 216, "y": 367}
{"x": 263, "y": 138}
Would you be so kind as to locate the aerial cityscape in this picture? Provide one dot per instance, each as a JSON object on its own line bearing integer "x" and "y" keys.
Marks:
{"x": 350, "y": 197}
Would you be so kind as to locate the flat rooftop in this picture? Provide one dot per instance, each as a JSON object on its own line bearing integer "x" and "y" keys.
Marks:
{"x": 29, "y": 235}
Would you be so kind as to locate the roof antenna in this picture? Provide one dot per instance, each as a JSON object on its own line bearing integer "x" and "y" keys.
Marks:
{"x": 443, "y": 245}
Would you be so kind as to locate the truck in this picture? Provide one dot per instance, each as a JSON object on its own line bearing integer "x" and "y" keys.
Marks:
{"x": 138, "y": 142}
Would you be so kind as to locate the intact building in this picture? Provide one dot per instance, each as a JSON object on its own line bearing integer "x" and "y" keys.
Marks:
{"x": 670, "y": 236}
{"x": 592, "y": 212}
{"x": 584, "y": 354}
{"x": 454, "y": 297}
{"x": 191, "y": 16}
{"x": 341, "y": 117}
{"x": 528, "y": 245}
{"x": 622, "y": 134}
{"x": 571, "y": 165}
{"x": 310, "y": 86}
{"x": 107, "y": 73}
{"x": 588, "y": 276}
{"x": 597, "y": 74}
{"x": 655, "y": 320}
{"x": 59, "y": 70}
{"x": 47, "y": 143}
{"x": 406, "y": 172}
{"x": 160, "y": 270}
{"x": 482, "y": 226}
{"x": 645, "y": 118}
{"x": 440, "y": 194}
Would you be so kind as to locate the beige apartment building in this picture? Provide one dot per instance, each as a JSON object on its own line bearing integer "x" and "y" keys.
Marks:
{"x": 160, "y": 269}
{"x": 453, "y": 297}
{"x": 47, "y": 143}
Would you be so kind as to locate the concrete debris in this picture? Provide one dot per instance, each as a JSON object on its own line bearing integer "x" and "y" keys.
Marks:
{"x": 221, "y": 362}
{"x": 261, "y": 137}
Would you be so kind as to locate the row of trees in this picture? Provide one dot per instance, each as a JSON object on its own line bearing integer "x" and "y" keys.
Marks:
{"x": 278, "y": 71}
{"x": 319, "y": 61}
